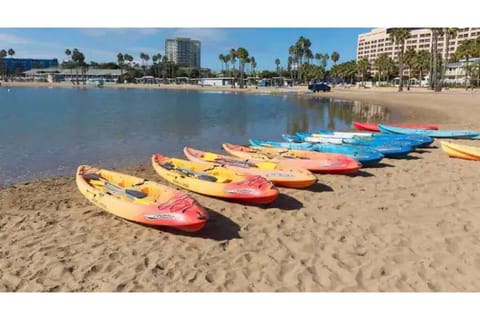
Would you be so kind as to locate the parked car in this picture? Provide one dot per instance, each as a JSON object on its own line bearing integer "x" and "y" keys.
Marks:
{"x": 316, "y": 87}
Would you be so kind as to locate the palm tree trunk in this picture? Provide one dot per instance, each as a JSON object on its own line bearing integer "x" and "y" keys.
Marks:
{"x": 466, "y": 74}
{"x": 445, "y": 60}
{"x": 400, "y": 65}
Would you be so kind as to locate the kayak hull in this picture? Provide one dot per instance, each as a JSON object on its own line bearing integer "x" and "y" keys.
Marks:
{"x": 279, "y": 174}
{"x": 310, "y": 160}
{"x": 229, "y": 185}
{"x": 452, "y": 134}
{"x": 374, "y": 126}
{"x": 461, "y": 151}
{"x": 163, "y": 206}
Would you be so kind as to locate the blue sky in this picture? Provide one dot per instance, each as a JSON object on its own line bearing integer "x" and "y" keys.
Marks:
{"x": 103, "y": 44}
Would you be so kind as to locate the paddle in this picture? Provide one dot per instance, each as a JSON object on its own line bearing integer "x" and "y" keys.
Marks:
{"x": 262, "y": 165}
{"x": 116, "y": 188}
{"x": 201, "y": 176}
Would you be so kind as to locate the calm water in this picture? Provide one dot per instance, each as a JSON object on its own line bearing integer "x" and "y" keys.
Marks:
{"x": 49, "y": 132}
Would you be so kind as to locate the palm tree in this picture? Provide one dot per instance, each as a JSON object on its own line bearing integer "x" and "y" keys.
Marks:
{"x": 448, "y": 33}
{"x": 325, "y": 58}
{"x": 242, "y": 55}
{"x": 11, "y": 52}
{"x": 76, "y": 57}
{"x": 233, "y": 58}
{"x": 318, "y": 57}
{"x": 436, "y": 33}
{"x": 421, "y": 63}
{"x": 164, "y": 65}
{"x": 290, "y": 62}
{"x": 277, "y": 63}
{"x": 362, "y": 68}
{"x": 308, "y": 55}
{"x": 335, "y": 57}
{"x": 221, "y": 57}
{"x": 121, "y": 63}
{"x": 253, "y": 63}
{"x": 466, "y": 50}
{"x": 398, "y": 36}
{"x": 68, "y": 53}
{"x": 227, "y": 62}
{"x": 409, "y": 59}
{"x": 292, "y": 51}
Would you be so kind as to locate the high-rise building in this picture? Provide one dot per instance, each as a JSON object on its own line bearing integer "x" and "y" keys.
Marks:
{"x": 184, "y": 52}
{"x": 372, "y": 44}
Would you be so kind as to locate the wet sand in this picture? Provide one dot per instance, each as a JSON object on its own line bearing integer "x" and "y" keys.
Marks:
{"x": 407, "y": 225}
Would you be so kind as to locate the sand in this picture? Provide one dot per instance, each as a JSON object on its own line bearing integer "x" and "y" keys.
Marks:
{"x": 407, "y": 225}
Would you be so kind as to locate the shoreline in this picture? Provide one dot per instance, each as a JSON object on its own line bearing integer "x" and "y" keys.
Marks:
{"x": 408, "y": 225}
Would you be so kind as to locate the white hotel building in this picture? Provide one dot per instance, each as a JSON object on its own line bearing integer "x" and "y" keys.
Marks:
{"x": 372, "y": 44}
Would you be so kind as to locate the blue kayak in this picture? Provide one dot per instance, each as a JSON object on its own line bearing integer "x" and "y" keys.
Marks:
{"x": 390, "y": 149}
{"x": 452, "y": 134}
{"x": 365, "y": 156}
{"x": 415, "y": 140}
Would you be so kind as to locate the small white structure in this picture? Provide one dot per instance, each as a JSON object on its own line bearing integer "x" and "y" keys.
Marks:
{"x": 216, "y": 82}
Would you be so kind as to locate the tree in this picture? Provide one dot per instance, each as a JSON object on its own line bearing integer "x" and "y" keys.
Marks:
{"x": 242, "y": 55}
{"x": 11, "y": 52}
{"x": 447, "y": 33}
{"x": 318, "y": 57}
{"x": 77, "y": 58}
{"x": 68, "y": 53}
{"x": 409, "y": 59}
{"x": 253, "y": 63}
{"x": 221, "y": 57}
{"x": 398, "y": 36}
{"x": 421, "y": 63}
{"x": 277, "y": 63}
{"x": 362, "y": 68}
{"x": 121, "y": 63}
{"x": 233, "y": 58}
{"x": 436, "y": 33}
{"x": 324, "y": 59}
{"x": 335, "y": 57}
{"x": 465, "y": 51}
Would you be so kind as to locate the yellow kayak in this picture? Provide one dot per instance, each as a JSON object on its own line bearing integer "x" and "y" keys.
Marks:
{"x": 214, "y": 180}
{"x": 139, "y": 200}
{"x": 279, "y": 174}
{"x": 460, "y": 150}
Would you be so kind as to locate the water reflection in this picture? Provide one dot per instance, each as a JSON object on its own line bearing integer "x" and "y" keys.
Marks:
{"x": 333, "y": 114}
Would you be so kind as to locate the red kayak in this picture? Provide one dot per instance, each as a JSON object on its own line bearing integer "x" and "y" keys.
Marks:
{"x": 374, "y": 126}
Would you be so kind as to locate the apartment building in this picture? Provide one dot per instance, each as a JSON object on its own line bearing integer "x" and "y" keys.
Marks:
{"x": 372, "y": 44}
{"x": 184, "y": 52}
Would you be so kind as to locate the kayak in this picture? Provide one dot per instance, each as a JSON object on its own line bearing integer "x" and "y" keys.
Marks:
{"x": 461, "y": 151}
{"x": 365, "y": 155}
{"x": 415, "y": 140}
{"x": 215, "y": 181}
{"x": 388, "y": 149}
{"x": 374, "y": 126}
{"x": 279, "y": 174}
{"x": 313, "y": 161}
{"x": 139, "y": 200}
{"x": 458, "y": 134}
{"x": 363, "y": 141}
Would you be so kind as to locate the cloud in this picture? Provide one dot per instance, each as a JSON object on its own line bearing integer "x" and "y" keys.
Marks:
{"x": 10, "y": 40}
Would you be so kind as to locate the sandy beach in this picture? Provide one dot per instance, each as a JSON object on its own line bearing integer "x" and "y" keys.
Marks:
{"x": 407, "y": 225}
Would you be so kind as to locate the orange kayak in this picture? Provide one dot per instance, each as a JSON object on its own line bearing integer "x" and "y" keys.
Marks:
{"x": 279, "y": 174}
{"x": 310, "y": 160}
{"x": 214, "y": 180}
{"x": 139, "y": 200}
